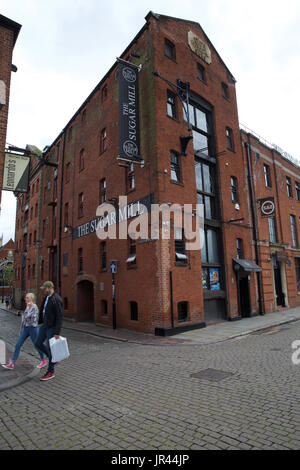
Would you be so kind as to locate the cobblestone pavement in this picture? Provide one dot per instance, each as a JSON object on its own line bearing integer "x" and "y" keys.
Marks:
{"x": 238, "y": 394}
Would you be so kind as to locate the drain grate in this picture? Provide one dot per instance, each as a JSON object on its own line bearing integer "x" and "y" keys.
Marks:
{"x": 213, "y": 375}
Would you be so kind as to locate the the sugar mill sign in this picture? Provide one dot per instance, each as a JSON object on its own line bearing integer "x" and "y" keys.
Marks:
{"x": 267, "y": 207}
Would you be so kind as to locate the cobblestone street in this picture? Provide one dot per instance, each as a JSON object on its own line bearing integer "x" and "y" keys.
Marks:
{"x": 237, "y": 394}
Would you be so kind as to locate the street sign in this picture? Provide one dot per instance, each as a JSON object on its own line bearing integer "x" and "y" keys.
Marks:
{"x": 113, "y": 267}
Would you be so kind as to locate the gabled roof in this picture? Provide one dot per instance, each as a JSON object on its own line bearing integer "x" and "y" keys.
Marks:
{"x": 12, "y": 25}
{"x": 157, "y": 16}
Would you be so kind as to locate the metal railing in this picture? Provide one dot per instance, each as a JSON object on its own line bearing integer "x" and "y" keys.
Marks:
{"x": 284, "y": 154}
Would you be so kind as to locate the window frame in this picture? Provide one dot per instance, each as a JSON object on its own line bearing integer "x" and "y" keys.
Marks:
{"x": 170, "y": 46}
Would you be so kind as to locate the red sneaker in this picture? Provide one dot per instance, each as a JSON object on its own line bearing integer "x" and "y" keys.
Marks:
{"x": 42, "y": 364}
{"x": 48, "y": 376}
{"x": 9, "y": 366}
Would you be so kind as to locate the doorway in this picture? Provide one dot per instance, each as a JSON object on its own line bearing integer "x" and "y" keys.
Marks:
{"x": 85, "y": 301}
{"x": 280, "y": 301}
{"x": 244, "y": 296}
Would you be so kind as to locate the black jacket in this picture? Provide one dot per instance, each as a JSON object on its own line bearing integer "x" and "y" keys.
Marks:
{"x": 53, "y": 313}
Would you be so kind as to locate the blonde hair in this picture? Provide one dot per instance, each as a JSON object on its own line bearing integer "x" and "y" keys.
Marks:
{"x": 32, "y": 296}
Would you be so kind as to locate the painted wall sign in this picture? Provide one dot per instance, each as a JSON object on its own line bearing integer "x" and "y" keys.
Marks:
{"x": 199, "y": 47}
{"x": 125, "y": 213}
{"x": 129, "y": 133}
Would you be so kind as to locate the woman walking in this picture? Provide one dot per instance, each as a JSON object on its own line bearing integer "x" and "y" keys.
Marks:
{"x": 29, "y": 327}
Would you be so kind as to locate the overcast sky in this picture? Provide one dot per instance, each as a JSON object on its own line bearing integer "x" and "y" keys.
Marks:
{"x": 65, "y": 47}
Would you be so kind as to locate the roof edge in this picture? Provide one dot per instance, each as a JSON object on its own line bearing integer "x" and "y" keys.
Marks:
{"x": 12, "y": 25}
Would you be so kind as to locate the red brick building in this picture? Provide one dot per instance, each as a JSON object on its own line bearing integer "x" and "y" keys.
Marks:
{"x": 6, "y": 265}
{"x": 9, "y": 31}
{"x": 159, "y": 285}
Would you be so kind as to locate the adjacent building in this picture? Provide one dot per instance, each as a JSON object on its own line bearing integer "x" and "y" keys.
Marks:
{"x": 9, "y": 31}
{"x": 195, "y": 157}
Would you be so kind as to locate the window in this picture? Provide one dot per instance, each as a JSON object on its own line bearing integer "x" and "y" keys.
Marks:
{"x": 81, "y": 160}
{"x": 37, "y": 185}
{"x": 103, "y": 307}
{"x": 180, "y": 255}
{"x": 30, "y": 239}
{"x": 132, "y": 251}
{"x": 65, "y": 259}
{"x": 68, "y": 172}
{"x": 205, "y": 188}
{"x": 103, "y": 255}
{"x": 57, "y": 152}
{"x": 36, "y": 210}
{"x": 70, "y": 133}
{"x": 103, "y": 141}
{"x": 297, "y": 266}
{"x": 55, "y": 189}
{"x": 133, "y": 311}
{"x": 104, "y": 93}
{"x": 42, "y": 269}
{"x": 66, "y": 214}
{"x": 200, "y": 121}
{"x": 171, "y": 105}
{"x": 182, "y": 309}
{"x": 65, "y": 303}
{"x": 31, "y": 213}
{"x": 229, "y": 138}
{"x": 239, "y": 248}
{"x": 80, "y": 204}
{"x": 170, "y": 49}
{"x": 225, "y": 92}
{"x": 289, "y": 187}
{"x": 294, "y": 231}
{"x": 297, "y": 186}
{"x": 175, "y": 167}
{"x": 267, "y": 174}
{"x": 102, "y": 191}
{"x": 130, "y": 177}
{"x": 80, "y": 260}
{"x": 34, "y": 237}
{"x": 272, "y": 229}
{"x": 44, "y": 228}
{"x": 234, "y": 189}
{"x": 210, "y": 249}
{"x": 201, "y": 72}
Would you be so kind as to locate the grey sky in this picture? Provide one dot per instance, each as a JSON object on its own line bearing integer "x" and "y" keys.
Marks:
{"x": 65, "y": 47}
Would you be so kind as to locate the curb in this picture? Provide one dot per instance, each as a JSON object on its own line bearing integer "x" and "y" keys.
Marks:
{"x": 20, "y": 380}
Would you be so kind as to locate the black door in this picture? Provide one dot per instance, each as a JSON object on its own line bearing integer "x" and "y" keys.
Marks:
{"x": 277, "y": 280}
{"x": 244, "y": 297}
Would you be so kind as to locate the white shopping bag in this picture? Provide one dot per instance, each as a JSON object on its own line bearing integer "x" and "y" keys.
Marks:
{"x": 59, "y": 349}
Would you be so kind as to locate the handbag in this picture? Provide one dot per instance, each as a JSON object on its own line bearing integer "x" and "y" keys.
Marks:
{"x": 59, "y": 349}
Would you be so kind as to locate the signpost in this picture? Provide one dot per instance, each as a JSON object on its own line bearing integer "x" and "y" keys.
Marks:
{"x": 113, "y": 270}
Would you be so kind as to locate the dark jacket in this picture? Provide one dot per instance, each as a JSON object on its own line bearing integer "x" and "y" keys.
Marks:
{"x": 53, "y": 313}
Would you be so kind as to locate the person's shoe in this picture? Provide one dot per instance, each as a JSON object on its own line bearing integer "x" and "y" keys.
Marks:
{"x": 48, "y": 376}
{"x": 9, "y": 366}
{"x": 42, "y": 364}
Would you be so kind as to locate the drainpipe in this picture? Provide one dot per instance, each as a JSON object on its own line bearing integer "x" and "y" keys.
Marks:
{"x": 61, "y": 212}
{"x": 254, "y": 220}
{"x": 171, "y": 300}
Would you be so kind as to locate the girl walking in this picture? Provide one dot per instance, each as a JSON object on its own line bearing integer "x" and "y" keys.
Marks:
{"x": 29, "y": 327}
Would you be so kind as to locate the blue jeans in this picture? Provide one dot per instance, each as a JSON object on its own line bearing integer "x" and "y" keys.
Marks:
{"x": 31, "y": 331}
{"x": 45, "y": 334}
